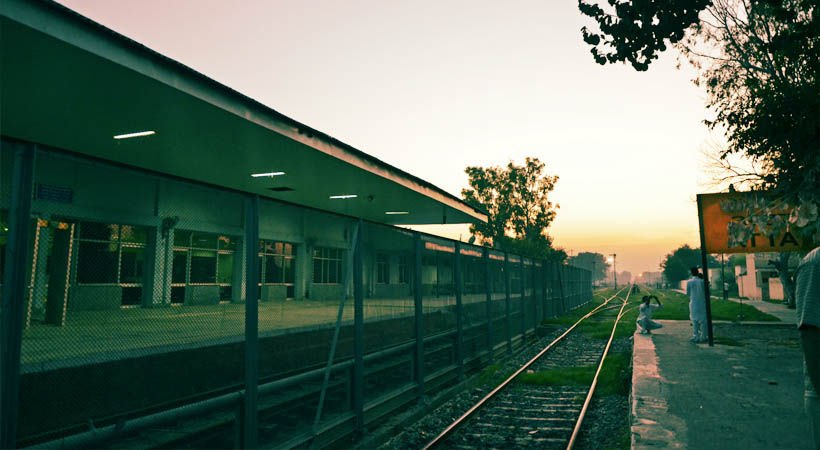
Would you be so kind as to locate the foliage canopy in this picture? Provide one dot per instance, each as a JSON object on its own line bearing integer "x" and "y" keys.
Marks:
{"x": 758, "y": 61}
{"x": 594, "y": 262}
{"x": 517, "y": 205}
{"x": 676, "y": 265}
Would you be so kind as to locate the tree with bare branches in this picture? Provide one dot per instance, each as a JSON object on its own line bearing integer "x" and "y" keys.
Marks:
{"x": 758, "y": 61}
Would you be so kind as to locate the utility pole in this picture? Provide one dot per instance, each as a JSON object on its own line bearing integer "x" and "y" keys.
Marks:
{"x": 615, "y": 270}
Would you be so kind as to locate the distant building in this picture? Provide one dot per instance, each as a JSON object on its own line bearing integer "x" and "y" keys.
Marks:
{"x": 649, "y": 278}
{"x": 759, "y": 279}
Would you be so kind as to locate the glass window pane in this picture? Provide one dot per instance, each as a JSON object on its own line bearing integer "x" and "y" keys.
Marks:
{"x": 96, "y": 262}
{"x": 290, "y": 271}
{"x": 132, "y": 233}
{"x": 131, "y": 265}
{"x": 225, "y": 268}
{"x": 182, "y": 238}
{"x": 203, "y": 266}
{"x": 203, "y": 240}
{"x": 317, "y": 269}
{"x": 288, "y": 249}
{"x": 179, "y": 270}
{"x": 333, "y": 271}
{"x": 99, "y": 231}
{"x": 273, "y": 269}
{"x": 227, "y": 243}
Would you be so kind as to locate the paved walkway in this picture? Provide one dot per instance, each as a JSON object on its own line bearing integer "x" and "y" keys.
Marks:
{"x": 746, "y": 392}
{"x": 779, "y": 310}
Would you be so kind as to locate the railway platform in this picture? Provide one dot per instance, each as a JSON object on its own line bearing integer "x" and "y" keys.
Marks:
{"x": 745, "y": 392}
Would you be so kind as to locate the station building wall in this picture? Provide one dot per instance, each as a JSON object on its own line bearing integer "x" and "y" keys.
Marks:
{"x": 114, "y": 237}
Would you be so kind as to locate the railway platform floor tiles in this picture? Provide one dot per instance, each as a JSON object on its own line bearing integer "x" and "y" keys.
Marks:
{"x": 745, "y": 392}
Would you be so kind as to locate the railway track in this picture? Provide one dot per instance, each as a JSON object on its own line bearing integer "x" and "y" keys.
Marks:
{"x": 519, "y": 415}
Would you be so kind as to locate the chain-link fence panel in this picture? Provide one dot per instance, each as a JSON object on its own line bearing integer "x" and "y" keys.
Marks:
{"x": 439, "y": 300}
{"x": 135, "y": 296}
{"x": 529, "y": 305}
{"x": 136, "y": 287}
{"x": 389, "y": 312}
{"x": 475, "y": 303}
{"x": 499, "y": 290}
{"x": 516, "y": 277}
{"x": 306, "y": 315}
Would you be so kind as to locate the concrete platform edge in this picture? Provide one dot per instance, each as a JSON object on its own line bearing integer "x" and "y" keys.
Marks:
{"x": 651, "y": 424}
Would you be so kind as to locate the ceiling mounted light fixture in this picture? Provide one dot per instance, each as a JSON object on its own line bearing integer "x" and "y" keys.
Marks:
{"x": 342, "y": 197}
{"x": 133, "y": 135}
{"x": 268, "y": 174}
{"x": 396, "y": 212}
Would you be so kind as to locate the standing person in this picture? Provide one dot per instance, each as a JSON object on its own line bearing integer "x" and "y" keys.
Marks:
{"x": 807, "y": 295}
{"x": 697, "y": 305}
{"x": 645, "y": 315}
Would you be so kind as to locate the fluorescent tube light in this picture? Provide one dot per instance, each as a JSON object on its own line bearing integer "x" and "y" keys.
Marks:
{"x": 269, "y": 174}
{"x": 132, "y": 135}
{"x": 337, "y": 197}
{"x": 397, "y": 212}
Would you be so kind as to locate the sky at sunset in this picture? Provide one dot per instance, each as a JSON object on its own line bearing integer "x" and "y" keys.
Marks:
{"x": 434, "y": 87}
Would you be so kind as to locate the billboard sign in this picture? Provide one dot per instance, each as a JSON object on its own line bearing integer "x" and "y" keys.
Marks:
{"x": 720, "y": 212}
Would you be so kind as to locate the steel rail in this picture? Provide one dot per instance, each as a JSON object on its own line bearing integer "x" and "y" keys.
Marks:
{"x": 577, "y": 428}
{"x": 475, "y": 408}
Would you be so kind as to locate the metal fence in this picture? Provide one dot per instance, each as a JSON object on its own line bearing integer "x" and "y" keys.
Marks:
{"x": 140, "y": 307}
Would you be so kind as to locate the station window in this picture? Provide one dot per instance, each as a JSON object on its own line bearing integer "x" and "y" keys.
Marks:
{"x": 110, "y": 253}
{"x": 327, "y": 265}
{"x": 277, "y": 263}
{"x": 382, "y": 269}
{"x": 404, "y": 271}
{"x": 202, "y": 259}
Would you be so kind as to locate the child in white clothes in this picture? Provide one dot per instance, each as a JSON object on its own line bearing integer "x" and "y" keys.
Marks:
{"x": 645, "y": 321}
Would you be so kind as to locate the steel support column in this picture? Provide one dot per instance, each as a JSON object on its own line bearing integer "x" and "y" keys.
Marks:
{"x": 419, "y": 322}
{"x": 459, "y": 280}
{"x": 14, "y": 289}
{"x": 561, "y": 288}
{"x": 705, "y": 263}
{"x": 507, "y": 306}
{"x": 487, "y": 289}
{"x": 358, "y": 331}
{"x": 523, "y": 290}
{"x": 534, "y": 284}
{"x": 250, "y": 416}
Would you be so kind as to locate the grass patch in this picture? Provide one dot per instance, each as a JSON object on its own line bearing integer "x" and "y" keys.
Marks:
{"x": 493, "y": 375}
{"x": 615, "y": 377}
{"x": 676, "y": 307}
{"x": 566, "y": 376}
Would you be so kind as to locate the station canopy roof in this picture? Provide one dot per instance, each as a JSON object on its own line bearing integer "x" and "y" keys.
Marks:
{"x": 70, "y": 83}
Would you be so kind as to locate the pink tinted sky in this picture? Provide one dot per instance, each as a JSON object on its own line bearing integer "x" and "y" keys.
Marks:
{"x": 434, "y": 87}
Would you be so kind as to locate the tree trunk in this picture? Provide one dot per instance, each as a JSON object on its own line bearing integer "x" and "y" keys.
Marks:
{"x": 786, "y": 280}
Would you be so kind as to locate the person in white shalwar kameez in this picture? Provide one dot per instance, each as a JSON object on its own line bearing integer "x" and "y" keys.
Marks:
{"x": 645, "y": 315}
{"x": 697, "y": 305}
